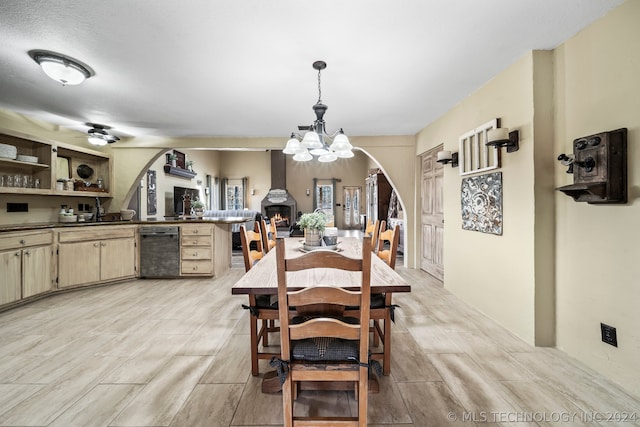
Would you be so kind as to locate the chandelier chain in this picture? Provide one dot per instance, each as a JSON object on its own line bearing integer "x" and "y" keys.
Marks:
{"x": 319, "y": 89}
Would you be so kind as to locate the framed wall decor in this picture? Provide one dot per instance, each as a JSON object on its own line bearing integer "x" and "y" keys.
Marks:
{"x": 473, "y": 155}
{"x": 152, "y": 205}
{"x": 481, "y": 198}
{"x": 181, "y": 161}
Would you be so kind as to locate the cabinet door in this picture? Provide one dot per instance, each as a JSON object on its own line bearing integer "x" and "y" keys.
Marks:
{"x": 117, "y": 259}
{"x": 10, "y": 263}
{"x": 36, "y": 270}
{"x": 78, "y": 263}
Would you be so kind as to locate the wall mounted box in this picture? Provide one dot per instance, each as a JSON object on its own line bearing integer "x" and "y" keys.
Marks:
{"x": 600, "y": 168}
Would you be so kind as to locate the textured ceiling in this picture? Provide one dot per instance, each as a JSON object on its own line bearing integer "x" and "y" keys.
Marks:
{"x": 243, "y": 67}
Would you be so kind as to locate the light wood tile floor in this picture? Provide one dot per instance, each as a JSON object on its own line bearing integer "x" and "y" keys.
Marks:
{"x": 176, "y": 353}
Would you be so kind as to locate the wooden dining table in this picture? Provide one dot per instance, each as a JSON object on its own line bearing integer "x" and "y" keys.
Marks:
{"x": 262, "y": 279}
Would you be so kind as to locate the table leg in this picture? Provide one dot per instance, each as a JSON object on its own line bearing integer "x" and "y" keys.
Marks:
{"x": 253, "y": 327}
{"x": 386, "y": 362}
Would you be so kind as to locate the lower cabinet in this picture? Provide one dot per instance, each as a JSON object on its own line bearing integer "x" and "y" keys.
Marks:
{"x": 26, "y": 265}
{"x": 95, "y": 256}
{"x": 196, "y": 250}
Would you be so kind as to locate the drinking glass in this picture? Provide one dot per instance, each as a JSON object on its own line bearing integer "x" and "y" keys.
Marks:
{"x": 2, "y": 179}
{"x": 26, "y": 181}
{"x": 36, "y": 183}
{"x": 9, "y": 181}
{"x": 17, "y": 180}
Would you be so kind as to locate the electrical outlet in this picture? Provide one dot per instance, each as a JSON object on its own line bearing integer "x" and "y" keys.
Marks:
{"x": 609, "y": 335}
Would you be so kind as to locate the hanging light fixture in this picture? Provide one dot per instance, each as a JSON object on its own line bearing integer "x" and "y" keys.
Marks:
{"x": 61, "y": 68}
{"x": 313, "y": 142}
{"x": 99, "y": 136}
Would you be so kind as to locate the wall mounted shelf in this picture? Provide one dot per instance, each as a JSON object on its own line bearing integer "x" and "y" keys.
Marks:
{"x": 183, "y": 173}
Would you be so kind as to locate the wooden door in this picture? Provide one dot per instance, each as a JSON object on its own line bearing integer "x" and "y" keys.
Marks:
{"x": 10, "y": 263}
{"x": 352, "y": 207}
{"x": 117, "y": 258}
{"x": 432, "y": 214}
{"x": 78, "y": 263}
{"x": 36, "y": 270}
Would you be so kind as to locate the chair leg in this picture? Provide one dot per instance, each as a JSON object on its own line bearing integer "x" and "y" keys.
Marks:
{"x": 253, "y": 334}
{"x": 287, "y": 402}
{"x": 386, "y": 362}
{"x": 376, "y": 337}
{"x": 265, "y": 333}
{"x": 363, "y": 384}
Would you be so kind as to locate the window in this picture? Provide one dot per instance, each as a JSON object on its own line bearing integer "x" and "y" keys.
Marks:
{"x": 234, "y": 191}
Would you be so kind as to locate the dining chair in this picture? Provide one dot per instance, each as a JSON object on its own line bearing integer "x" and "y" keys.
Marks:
{"x": 269, "y": 234}
{"x": 261, "y": 307}
{"x": 319, "y": 343}
{"x": 381, "y": 309}
{"x": 392, "y": 237}
{"x": 378, "y": 227}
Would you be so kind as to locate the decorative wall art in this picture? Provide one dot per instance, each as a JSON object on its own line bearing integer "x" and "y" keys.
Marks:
{"x": 152, "y": 205}
{"x": 482, "y": 203}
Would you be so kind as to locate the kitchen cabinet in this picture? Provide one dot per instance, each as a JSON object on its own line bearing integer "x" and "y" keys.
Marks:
{"x": 378, "y": 195}
{"x": 27, "y": 264}
{"x": 55, "y": 161}
{"x": 196, "y": 250}
{"x": 96, "y": 255}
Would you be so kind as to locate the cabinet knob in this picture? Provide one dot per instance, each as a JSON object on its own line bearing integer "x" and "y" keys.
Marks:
{"x": 17, "y": 254}
{"x": 103, "y": 244}
{"x": 22, "y": 242}
{"x": 27, "y": 253}
{"x": 195, "y": 254}
{"x": 95, "y": 245}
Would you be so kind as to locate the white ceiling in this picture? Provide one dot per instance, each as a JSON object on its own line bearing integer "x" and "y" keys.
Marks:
{"x": 243, "y": 67}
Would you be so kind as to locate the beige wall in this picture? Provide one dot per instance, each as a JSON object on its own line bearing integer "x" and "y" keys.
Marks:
{"x": 493, "y": 273}
{"x": 597, "y": 78}
{"x": 559, "y": 263}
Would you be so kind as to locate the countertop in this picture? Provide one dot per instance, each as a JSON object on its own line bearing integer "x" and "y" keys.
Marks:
{"x": 46, "y": 225}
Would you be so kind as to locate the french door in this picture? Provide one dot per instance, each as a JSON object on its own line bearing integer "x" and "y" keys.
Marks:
{"x": 351, "y": 207}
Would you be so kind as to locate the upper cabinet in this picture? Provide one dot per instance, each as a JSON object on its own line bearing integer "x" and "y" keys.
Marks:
{"x": 48, "y": 168}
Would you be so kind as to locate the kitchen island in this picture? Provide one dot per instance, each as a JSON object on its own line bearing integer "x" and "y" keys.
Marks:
{"x": 40, "y": 259}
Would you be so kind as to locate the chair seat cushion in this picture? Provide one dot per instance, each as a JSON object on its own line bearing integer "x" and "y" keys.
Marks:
{"x": 377, "y": 300}
{"x": 267, "y": 301}
{"x": 324, "y": 349}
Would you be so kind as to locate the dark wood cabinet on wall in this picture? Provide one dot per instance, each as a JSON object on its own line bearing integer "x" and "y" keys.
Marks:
{"x": 378, "y": 195}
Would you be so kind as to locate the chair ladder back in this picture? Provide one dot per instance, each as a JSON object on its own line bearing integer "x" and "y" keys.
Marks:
{"x": 250, "y": 255}
{"x": 378, "y": 228}
{"x": 393, "y": 237}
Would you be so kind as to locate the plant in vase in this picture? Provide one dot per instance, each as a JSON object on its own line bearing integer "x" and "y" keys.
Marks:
{"x": 313, "y": 225}
{"x": 172, "y": 158}
{"x": 190, "y": 165}
{"x": 198, "y": 208}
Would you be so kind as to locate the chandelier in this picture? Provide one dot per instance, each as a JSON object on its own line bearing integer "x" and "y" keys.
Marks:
{"x": 314, "y": 140}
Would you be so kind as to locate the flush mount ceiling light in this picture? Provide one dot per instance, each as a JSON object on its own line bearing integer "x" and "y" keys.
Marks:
{"x": 312, "y": 143}
{"x": 99, "y": 136}
{"x": 61, "y": 68}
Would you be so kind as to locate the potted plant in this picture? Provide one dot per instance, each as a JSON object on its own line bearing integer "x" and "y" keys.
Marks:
{"x": 171, "y": 158}
{"x": 313, "y": 225}
{"x": 190, "y": 165}
{"x": 198, "y": 208}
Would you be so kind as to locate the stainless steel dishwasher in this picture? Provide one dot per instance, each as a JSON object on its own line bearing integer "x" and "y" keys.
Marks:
{"x": 159, "y": 251}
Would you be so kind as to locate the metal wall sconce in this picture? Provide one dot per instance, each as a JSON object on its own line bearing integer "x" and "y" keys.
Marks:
{"x": 446, "y": 157}
{"x": 501, "y": 137}
{"x": 253, "y": 191}
{"x": 308, "y": 192}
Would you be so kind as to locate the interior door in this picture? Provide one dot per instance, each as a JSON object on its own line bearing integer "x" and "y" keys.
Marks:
{"x": 352, "y": 207}
{"x": 432, "y": 214}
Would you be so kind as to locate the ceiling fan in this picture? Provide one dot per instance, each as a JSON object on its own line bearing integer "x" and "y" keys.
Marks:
{"x": 99, "y": 136}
